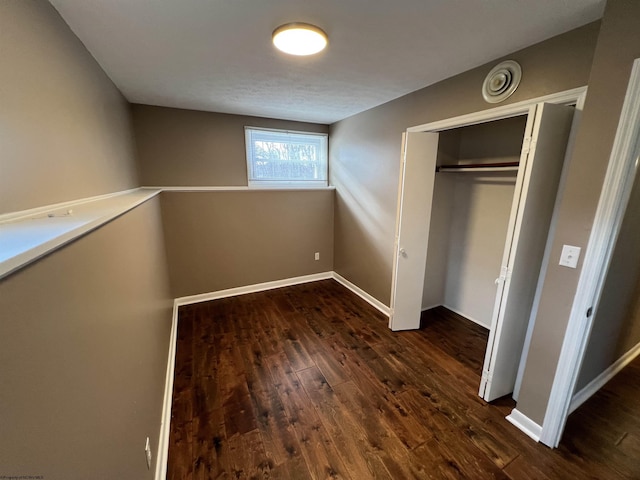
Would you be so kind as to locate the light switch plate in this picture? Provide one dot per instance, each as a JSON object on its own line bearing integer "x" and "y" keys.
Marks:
{"x": 570, "y": 256}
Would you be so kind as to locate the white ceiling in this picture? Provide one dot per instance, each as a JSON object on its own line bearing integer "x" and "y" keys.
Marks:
{"x": 216, "y": 55}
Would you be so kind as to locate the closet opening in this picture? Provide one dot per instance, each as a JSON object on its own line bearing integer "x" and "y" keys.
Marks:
{"x": 474, "y": 215}
{"x": 473, "y": 191}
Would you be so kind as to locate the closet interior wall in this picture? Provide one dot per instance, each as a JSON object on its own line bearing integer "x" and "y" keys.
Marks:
{"x": 470, "y": 215}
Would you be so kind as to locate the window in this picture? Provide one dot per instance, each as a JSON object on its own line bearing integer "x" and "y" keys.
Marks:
{"x": 286, "y": 159}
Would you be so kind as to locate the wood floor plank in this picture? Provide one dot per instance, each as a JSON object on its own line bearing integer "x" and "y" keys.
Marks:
{"x": 382, "y": 439}
{"x": 210, "y": 447}
{"x": 351, "y": 442}
{"x": 333, "y": 367}
{"x": 279, "y": 440}
{"x": 309, "y": 382}
{"x": 247, "y": 457}
{"x": 317, "y": 447}
{"x": 179, "y": 464}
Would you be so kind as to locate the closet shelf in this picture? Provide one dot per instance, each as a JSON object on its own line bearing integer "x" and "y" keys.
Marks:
{"x": 479, "y": 167}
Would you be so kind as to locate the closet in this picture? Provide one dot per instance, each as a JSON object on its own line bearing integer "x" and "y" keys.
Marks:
{"x": 474, "y": 212}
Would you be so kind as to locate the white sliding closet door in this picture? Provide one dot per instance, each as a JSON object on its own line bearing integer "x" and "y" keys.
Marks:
{"x": 417, "y": 176}
{"x": 545, "y": 143}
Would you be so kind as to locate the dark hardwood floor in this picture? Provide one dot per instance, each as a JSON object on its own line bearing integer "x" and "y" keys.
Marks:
{"x": 308, "y": 382}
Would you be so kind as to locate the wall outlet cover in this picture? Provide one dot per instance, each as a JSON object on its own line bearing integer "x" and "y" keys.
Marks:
{"x": 570, "y": 256}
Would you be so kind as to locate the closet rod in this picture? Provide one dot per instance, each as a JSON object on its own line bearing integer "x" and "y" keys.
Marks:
{"x": 479, "y": 167}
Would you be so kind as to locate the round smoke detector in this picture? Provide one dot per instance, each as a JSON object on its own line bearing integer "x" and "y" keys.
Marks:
{"x": 502, "y": 81}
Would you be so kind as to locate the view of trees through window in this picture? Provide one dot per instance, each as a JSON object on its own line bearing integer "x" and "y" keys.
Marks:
{"x": 275, "y": 160}
{"x": 275, "y": 156}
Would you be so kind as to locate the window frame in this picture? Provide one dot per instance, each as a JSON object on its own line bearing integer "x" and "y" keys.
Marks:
{"x": 286, "y": 183}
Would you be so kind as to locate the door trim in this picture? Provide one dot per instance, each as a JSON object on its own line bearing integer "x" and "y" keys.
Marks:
{"x": 568, "y": 97}
{"x": 621, "y": 172}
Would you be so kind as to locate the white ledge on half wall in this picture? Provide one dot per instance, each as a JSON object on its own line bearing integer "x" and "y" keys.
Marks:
{"x": 28, "y": 235}
{"x": 238, "y": 188}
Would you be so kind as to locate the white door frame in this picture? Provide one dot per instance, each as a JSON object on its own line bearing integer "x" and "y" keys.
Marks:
{"x": 569, "y": 97}
{"x": 621, "y": 173}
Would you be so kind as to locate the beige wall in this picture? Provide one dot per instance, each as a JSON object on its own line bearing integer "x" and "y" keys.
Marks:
{"x": 479, "y": 220}
{"x": 618, "y": 45}
{"x": 191, "y": 148}
{"x": 365, "y": 149}
{"x": 219, "y": 240}
{"x": 616, "y": 326}
{"x": 84, "y": 338}
{"x": 64, "y": 127}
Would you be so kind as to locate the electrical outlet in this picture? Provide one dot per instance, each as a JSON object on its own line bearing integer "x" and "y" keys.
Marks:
{"x": 317, "y": 256}
{"x": 147, "y": 453}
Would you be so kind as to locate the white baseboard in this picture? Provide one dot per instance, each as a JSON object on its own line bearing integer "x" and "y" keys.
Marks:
{"x": 462, "y": 314}
{"x": 165, "y": 424}
{"x": 424, "y": 309}
{"x": 374, "y": 302}
{"x": 258, "y": 287}
{"x": 525, "y": 424}
{"x": 597, "y": 383}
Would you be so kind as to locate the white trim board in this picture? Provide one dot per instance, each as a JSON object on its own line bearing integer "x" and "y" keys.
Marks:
{"x": 462, "y": 314}
{"x": 621, "y": 172}
{"x": 597, "y": 383}
{"x": 12, "y": 216}
{"x": 258, "y": 287}
{"x": 473, "y": 320}
{"x": 31, "y": 234}
{"x": 525, "y": 424}
{"x": 567, "y": 97}
{"x": 431, "y": 307}
{"x": 240, "y": 188}
{"x": 374, "y": 302}
{"x": 165, "y": 424}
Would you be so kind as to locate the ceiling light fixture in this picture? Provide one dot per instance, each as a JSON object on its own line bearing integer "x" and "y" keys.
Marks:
{"x": 299, "y": 39}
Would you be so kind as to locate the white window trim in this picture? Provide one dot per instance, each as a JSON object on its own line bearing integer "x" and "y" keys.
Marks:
{"x": 285, "y": 184}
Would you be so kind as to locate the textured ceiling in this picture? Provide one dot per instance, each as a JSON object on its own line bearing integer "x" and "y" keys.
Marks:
{"x": 216, "y": 55}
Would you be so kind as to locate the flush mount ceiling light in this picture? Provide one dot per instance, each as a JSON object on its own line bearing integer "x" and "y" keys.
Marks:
{"x": 299, "y": 39}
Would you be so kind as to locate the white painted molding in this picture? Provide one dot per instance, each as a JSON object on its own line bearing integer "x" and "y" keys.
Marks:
{"x": 424, "y": 309}
{"x": 567, "y": 97}
{"x": 240, "y": 188}
{"x": 162, "y": 454}
{"x": 597, "y": 383}
{"x": 468, "y": 317}
{"x": 374, "y": 302}
{"x": 525, "y": 424}
{"x": 477, "y": 322}
{"x": 32, "y": 234}
{"x": 32, "y": 212}
{"x": 618, "y": 181}
{"x": 258, "y": 287}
